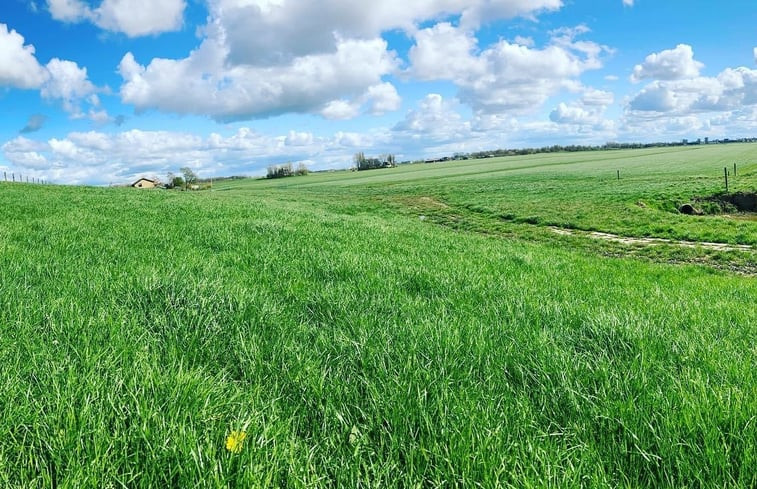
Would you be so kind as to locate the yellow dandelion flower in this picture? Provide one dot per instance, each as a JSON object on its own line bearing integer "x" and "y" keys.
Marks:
{"x": 234, "y": 441}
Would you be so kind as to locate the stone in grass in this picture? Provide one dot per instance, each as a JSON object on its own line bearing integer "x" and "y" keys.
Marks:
{"x": 689, "y": 210}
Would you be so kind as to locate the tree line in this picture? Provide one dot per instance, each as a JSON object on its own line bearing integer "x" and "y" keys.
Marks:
{"x": 383, "y": 161}
{"x": 286, "y": 170}
{"x": 185, "y": 180}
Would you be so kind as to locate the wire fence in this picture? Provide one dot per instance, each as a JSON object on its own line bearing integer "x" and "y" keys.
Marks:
{"x": 13, "y": 178}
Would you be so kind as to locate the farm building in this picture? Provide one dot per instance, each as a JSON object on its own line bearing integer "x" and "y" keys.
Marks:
{"x": 144, "y": 183}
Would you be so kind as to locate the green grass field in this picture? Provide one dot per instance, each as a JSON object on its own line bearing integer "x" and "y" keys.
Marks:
{"x": 445, "y": 325}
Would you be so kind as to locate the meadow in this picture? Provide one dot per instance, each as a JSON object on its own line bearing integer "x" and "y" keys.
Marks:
{"x": 440, "y": 325}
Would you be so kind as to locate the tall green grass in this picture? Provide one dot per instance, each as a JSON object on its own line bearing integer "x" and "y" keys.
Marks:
{"x": 356, "y": 346}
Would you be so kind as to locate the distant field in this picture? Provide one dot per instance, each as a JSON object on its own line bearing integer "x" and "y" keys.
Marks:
{"x": 442, "y": 325}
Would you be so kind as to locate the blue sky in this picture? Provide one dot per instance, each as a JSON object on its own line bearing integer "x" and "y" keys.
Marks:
{"x": 104, "y": 91}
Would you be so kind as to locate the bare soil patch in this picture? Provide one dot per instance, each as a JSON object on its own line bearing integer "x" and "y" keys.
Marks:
{"x": 652, "y": 241}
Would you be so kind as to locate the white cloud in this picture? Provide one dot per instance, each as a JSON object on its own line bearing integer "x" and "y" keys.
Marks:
{"x": 68, "y": 10}
{"x": 597, "y": 98}
{"x": 261, "y": 58}
{"x": 503, "y": 77}
{"x": 732, "y": 89}
{"x": 30, "y": 160}
{"x": 628, "y": 3}
{"x": 444, "y": 52}
{"x": 340, "y": 110}
{"x": 99, "y": 158}
{"x": 295, "y": 138}
{"x": 383, "y": 98}
{"x": 587, "y": 112}
{"x": 525, "y": 41}
{"x": 721, "y": 106}
{"x": 671, "y": 64}
{"x": 565, "y": 114}
{"x": 436, "y": 128}
{"x": 69, "y": 83}
{"x": 377, "y": 100}
{"x": 58, "y": 80}
{"x": 140, "y": 17}
{"x": 435, "y": 119}
{"x": 26, "y": 153}
{"x": 18, "y": 65}
{"x": 204, "y": 84}
{"x": 131, "y": 17}
{"x": 287, "y": 29}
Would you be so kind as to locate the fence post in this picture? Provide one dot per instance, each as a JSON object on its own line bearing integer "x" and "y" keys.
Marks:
{"x": 725, "y": 172}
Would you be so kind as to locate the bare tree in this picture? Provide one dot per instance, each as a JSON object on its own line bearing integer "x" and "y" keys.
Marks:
{"x": 189, "y": 177}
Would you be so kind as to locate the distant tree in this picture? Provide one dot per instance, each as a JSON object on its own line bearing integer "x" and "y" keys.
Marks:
{"x": 170, "y": 177}
{"x": 359, "y": 160}
{"x": 280, "y": 171}
{"x": 190, "y": 178}
{"x": 301, "y": 169}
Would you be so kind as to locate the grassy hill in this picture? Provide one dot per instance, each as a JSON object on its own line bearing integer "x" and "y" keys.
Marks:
{"x": 441, "y": 325}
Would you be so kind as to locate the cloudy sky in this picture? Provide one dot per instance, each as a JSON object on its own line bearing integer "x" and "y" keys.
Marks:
{"x": 103, "y": 91}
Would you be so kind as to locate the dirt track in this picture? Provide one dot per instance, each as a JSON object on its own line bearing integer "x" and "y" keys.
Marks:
{"x": 653, "y": 241}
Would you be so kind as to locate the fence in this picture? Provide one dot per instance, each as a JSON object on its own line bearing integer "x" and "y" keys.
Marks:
{"x": 21, "y": 179}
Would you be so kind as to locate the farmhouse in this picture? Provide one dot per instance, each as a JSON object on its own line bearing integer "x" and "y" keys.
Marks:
{"x": 144, "y": 183}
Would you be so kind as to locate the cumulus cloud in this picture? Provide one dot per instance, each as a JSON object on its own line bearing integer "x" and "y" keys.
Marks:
{"x": 671, "y": 64}
{"x": 732, "y": 89}
{"x": 340, "y": 110}
{"x": 58, "y": 80}
{"x": 434, "y": 127}
{"x": 586, "y": 113}
{"x": 565, "y": 114}
{"x": 131, "y": 17}
{"x": 720, "y": 106}
{"x": 434, "y": 119}
{"x": 204, "y": 84}
{"x": 287, "y": 29}
{"x": 383, "y": 98}
{"x": 18, "y": 64}
{"x": 96, "y": 157}
{"x": 26, "y": 154}
{"x": 68, "y": 10}
{"x": 261, "y": 58}
{"x": 504, "y": 77}
{"x": 69, "y": 83}
{"x": 377, "y": 100}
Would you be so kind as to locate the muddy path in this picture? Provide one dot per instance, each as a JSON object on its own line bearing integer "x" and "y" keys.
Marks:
{"x": 651, "y": 241}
